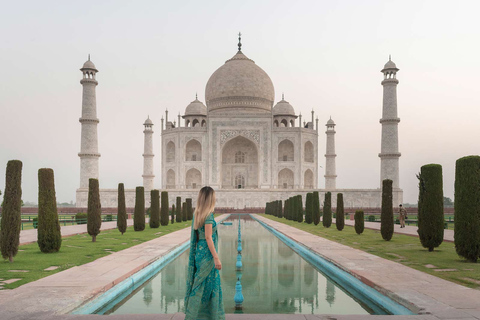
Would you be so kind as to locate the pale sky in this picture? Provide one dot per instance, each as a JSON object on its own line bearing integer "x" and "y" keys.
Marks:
{"x": 152, "y": 55}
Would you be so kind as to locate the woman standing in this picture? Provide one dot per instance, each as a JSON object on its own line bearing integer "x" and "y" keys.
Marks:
{"x": 203, "y": 299}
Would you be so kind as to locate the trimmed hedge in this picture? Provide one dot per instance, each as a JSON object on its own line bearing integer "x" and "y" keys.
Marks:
{"x": 81, "y": 218}
{"x": 49, "y": 237}
{"x": 139, "y": 211}
{"x": 179, "y": 209}
{"x": 327, "y": 210}
{"x": 340, "y": 214}
{"x": 430, "y": 206}
{"x": 316, "y": 208}
{"x": 11, "y": 211}
{"x": 154, "y": 209}
{"x": 172, "y": 213}
{"x": 386, "y": 225}
{"x": 299, "y": 208}
{"x": 164, "y": 210}
{"x": 280, "y": 208}
{"x": 121, "y": 210}
{"x": 189, "y": 208}
{"x": 467, "y": 207}
{"x": 94, "y": 210}
{"x": 309, "y": 208}
{"x": 359, "y": 221}
{"x": 184, "y": 210}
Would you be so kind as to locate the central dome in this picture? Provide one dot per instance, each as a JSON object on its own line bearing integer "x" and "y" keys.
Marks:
{"x": 241, "y": 86}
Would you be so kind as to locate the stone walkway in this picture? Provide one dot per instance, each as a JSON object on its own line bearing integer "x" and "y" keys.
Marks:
{"x": 30, "y": 235}
{"x": 408, "y": 230}
{"x": 52, "y": 297}
{"x": 420, "y": 291}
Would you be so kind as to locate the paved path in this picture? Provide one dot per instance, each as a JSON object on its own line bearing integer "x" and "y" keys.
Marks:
{"x": 64, "y": 291}
{"x": 408, "y": 230}
{"x": 415, "y": 289}
{"x": 30, "y": 235}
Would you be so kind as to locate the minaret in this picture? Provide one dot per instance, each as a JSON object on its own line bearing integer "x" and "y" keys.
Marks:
{"x": 389, "y": 154}
{"x": 148, "y": 156}
{"x": 330, "y": 168}
{"x": 89, "y": 142}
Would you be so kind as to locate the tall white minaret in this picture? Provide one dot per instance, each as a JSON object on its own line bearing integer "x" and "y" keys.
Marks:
{"x": 330, "y": 168}
{"x": 148, "y": 156}
{"x": 389, "y": 155}
{"x": 89, "y": 142}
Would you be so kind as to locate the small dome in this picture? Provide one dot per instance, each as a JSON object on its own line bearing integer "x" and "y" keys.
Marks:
{"x": 330, "y": 122}
{"x": 283, "y": 108}
{"x": 89, "y": 65}
{"x": 390, "y": 65}
{"x": 148, "y": 122}
{"x": 196, "y": 107}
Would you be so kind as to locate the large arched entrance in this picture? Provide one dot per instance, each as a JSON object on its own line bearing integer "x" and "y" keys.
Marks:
{"x": 239, "y": 164}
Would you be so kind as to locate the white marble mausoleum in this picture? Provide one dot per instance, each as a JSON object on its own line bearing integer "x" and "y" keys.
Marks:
{"x": 250, "y": 149}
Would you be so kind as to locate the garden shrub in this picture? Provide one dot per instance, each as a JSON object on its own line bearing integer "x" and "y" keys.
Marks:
{"x": 340, "y": 214}
{"x": 467, "y": 207}
{"x": 154, "y": 209}
{"x": 121, "y": 210}
{"x": 359, "y": 222}
{"x": 386, "y": 227}
{"x": 139, "y": 211}
{"x": 430, "y": 206}
{"x": 94, "y": 210}
{"x": 327, "y": 210}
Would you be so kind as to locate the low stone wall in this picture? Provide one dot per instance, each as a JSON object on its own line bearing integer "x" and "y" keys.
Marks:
{"x": 248, "y": 198}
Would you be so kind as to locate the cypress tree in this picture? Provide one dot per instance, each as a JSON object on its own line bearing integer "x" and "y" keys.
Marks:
{"x": 386, "y": 227}
{"x": 154, "y": 208}
{"x": 359, "y": 222}
{"x": 309, "y": 208}
{"x": 179, "y": 209}
{"x": 340, "y": 220}
{"x": 327, "y": 210}
{"x": 48, "y": 228}
{"x": 287, "y": 209}
{"x": 11, "y": 210}
{"x": 280, "y": 208}
{"x": 173, "y": 214}
{"x": 316, "y": 208}
{"x": 294, "y": 211}
{"x": 184, "y": 211}
{"x": 430, "y": 206}
{"x": 189, "y": 209}
{"x": 164, "y": 211}
{"x": 94, "y": 210}
{"x": 467, "y": 207}
{"x": 139, "y": 213}
{"x": 122, "y": 210}
{"x": 300, "y": 208}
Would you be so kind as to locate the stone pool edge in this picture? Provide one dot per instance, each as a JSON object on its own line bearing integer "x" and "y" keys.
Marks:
{"x": 420, "y": 291}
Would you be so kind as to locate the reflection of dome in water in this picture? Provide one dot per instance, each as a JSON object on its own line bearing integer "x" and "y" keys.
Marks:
{"x": 240, "y": 85}
{"x": 286, "y": 274}
{"x": 284, "y": 251}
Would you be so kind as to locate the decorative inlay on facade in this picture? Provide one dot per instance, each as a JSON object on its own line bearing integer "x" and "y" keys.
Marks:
{"x": 226, "y": 135}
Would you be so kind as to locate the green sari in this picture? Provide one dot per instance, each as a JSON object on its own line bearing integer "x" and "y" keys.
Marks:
{"x": 203, "y": 299}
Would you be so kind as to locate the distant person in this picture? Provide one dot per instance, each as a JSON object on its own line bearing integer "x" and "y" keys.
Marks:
{"x": 203, "y": 299}
{"x": 402, "y": 216}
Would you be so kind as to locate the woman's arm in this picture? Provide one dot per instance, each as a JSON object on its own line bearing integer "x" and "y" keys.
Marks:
{"x": 211, "y": 246}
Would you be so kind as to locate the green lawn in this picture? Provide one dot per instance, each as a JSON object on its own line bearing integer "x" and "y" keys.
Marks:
{"x": 403, "y": 249}
{"x": 76, "y": 250}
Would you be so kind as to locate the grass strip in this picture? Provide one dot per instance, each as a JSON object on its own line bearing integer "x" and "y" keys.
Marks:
{"x": 443, "y": 262}
{"x": 75, "y": 251}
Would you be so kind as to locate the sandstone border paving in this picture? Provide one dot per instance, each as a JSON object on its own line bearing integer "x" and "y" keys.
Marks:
{"x": 421, "y": 292}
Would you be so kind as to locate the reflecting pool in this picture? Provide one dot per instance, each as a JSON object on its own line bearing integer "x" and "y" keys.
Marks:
{"x": 274, "y": 279}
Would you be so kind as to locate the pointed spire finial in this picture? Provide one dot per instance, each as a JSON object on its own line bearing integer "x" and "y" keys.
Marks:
{"x": 283, "y": 96}
{"x": 148, "y": 117}
{"x": 389, "y": 57}
{"x": 239, "y": 41}
{"x": 89, "y": 57}
{"x": 196, "y": 96}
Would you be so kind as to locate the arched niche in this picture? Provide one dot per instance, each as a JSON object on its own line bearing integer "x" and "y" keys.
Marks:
{"x": 239, "y": 157}
{"x": 286, "y": 151}
{"x": 193, "y": 151}
{"x": 285, "y": 179}
{"x": 170, "y": 152}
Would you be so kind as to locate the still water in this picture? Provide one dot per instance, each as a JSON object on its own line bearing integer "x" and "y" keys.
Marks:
{"x": 274, "y": 279}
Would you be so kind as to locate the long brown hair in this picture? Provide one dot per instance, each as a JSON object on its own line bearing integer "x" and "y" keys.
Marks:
{"x": 205, "y": 205}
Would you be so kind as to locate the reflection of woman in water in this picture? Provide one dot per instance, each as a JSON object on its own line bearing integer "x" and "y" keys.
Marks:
{"x": 203, "y": 299}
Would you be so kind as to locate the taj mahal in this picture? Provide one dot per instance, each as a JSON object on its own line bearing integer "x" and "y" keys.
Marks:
{"x": 250, "y": 149}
